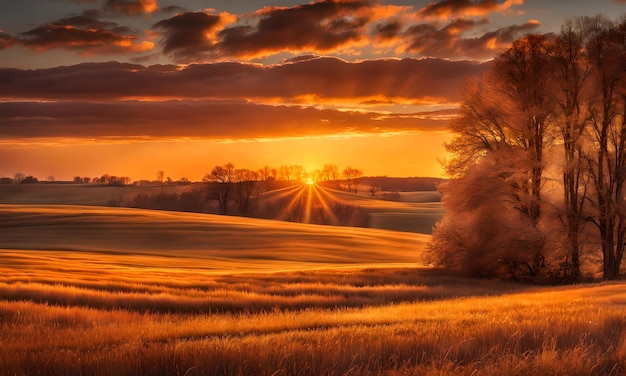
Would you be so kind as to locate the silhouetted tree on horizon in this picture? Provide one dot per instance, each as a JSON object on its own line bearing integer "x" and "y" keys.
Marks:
{"x": 223, "y": 178}
{"x": 353, "y": 178}
{"x": 246, "y": 184}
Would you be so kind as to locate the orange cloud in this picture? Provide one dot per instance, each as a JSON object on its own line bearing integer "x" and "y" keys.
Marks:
{"x": 388, "y": 32}
{"x": 334, "y": 26}
{"x": 196, "y": 119}
{"x": 84, "y": 34}
{"x": 6, "y": 41}
{"x": 132, "y": 7}
{"x": 88, "y": 100}
{"x": 323, "y": 26}
{"x": 190, "y": 34}
{"x": 465, "y": 8}
{"x": 449, "y": 41}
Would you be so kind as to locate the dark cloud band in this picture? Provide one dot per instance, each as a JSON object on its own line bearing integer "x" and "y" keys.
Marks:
{"x": 325, "y": 79}
{"x": 202, "y": 119}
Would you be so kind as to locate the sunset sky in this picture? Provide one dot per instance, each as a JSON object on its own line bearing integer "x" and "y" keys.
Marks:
{"x": 130, "y": 87}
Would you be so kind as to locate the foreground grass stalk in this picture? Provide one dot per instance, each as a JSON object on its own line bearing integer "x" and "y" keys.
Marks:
{"x": 575, "y": 330}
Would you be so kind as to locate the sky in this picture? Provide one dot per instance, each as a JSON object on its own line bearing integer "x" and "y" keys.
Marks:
{"x": 132, "y": 87}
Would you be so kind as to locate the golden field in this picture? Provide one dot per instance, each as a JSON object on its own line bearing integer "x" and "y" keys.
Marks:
{"x": 95, "y": 290}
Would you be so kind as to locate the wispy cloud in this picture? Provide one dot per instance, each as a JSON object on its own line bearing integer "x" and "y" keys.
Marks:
{"x": 465, "y": 8}
{"x": 451, "y": 42}
{"x": 84, "y": 34}
{"x": 6, "y": 41}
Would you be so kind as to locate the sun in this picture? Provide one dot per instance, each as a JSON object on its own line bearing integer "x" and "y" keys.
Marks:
{"x": 310, "y": 181}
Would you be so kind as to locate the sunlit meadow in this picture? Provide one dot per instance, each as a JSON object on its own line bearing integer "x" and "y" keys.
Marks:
{"x": 88, "y": 290}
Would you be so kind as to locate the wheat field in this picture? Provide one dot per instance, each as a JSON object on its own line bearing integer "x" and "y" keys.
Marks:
{"x": 92, "y": 291}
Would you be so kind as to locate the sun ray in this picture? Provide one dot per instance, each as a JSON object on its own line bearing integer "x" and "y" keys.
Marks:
{"x": 324, "y": 204}
{"x": 284, "y": 192}
{"x": 308, "y": 192}
{"x": 297, "y": 197}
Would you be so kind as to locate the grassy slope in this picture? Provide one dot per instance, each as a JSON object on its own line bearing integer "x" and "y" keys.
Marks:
{"x": 73, "y": 194}
{"x": 87, "y": 290}
{"x": 416, "y": 212}
{"x": 211, "y": 242}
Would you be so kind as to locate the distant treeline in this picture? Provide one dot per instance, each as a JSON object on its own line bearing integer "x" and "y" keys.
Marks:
{"x": 246, "y": 199}
{"x": 411, "y": 184}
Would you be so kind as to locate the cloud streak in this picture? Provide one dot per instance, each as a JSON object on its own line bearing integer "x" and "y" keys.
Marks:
{"x": 6, "y": 41}
{"x": 131, "y": 7}
{"x": 84, "y": 34}
{"x": 388, "y": 80}
{"x": 284, "y": 100}
{"x": 227, "y": 100}
{"x": 191, "y": 34}
{"x": 465, "y": 8}
{"x": 197, "y": 119}
{"x": 449, "y": 41}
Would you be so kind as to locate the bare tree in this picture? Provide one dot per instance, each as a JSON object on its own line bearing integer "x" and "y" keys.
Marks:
{"x": 373, "y": 190}
{"x": 315, "y": 175}
{"x": 520, "y": 74}
{"x": 568, "y": 92}
{"x": 265, "y": 173}
{"x": 330, "y": 172}
{"x": 222, "y": 178}
{"x": 353, "y": 178}
{"x": 572, "y": 70}
{"x": 284, "y": 173}
{"x": 606, "y": 52}
{"x": 502, "y": 124}
{"x": 246, "y": 182}
{"x": 297, "y": 173}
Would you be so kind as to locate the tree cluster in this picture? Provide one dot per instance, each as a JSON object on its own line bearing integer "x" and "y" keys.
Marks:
{"x": 107, "y": 179}
{"x": 20, "y": 178}
{"x": 539, "y": 160}
{"x": 230, "y": 190}
{"x": 240, "y": 186}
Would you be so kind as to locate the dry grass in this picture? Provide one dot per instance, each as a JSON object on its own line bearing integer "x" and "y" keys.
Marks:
{"x": 578, "y": 330}
{"x": 129, "y": 304}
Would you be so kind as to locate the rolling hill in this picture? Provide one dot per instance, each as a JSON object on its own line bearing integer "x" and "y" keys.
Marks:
{"x": 408, "y": 211}
{"x": 201, "y": 241}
